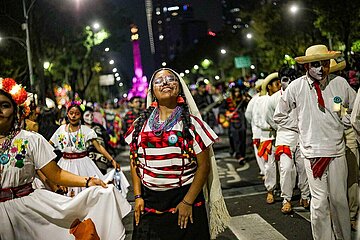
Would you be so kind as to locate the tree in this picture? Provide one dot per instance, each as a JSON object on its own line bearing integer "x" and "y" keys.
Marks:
{"x": 340, "y": 20}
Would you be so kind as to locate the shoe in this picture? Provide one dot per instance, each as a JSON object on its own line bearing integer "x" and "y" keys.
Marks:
{"x": 242, "y": 161}
{"x": 270, "y": 198}
{"x": 286, "y": 207}
{"x": 305, "y": 203}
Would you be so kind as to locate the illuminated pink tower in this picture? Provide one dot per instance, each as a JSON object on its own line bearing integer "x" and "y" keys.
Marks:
{"x": 139, "y": 82}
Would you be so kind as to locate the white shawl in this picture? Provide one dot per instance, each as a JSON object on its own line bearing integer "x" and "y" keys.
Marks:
{"x": 219, "y": 217}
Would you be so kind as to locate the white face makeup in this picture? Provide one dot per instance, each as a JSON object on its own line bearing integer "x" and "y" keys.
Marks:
{"x": 316, "y": 73}
{"x": 285, "y": 81}
{"x": 88, "y": 117}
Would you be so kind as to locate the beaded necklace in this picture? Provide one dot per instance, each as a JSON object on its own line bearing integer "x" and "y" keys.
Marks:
{"x": 159, "y": 127}
{"x": 73, "y": 140}
{"x": 6, "y": 144}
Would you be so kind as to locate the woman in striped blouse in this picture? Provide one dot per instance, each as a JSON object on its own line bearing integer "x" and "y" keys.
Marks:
{"x": 170, "y": 163}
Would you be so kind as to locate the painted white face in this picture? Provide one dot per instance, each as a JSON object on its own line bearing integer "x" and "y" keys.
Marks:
{"x": 285, "y": 81}
{"x": 88, "y": 117}
{"x": 316, "y": 73}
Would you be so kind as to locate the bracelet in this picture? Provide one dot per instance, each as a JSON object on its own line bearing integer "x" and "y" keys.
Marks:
{"x": 137, "y": 196}
{"x": 87, "y": 181}
{"x": 186, "y": 203}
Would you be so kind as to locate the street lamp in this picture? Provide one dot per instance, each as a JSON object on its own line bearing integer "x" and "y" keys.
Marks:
{"x": 249, "y": 36}
{"x": 294, "y": 9}
{"x": 25, "y": 26}
{"x": 16, "y": 39}
{"x": 223, "y": 51}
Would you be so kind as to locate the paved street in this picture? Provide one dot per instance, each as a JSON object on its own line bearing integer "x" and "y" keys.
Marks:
{"x": 244, "y": 195}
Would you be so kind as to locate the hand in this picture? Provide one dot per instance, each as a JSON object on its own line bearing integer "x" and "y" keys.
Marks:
{"x": 139, "y": 209}
{"x": 115, "y": 164}
{"x": 61, "y": 190}
{"x": 97, "y": 182}
{"x": 185, "y": 213}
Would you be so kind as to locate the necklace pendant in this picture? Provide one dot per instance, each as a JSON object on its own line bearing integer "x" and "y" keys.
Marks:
{"x": 172, "y": 139}
{"x": 4, "y": 158}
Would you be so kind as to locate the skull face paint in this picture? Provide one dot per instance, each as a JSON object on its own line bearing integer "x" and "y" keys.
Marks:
{"x": 88, "y": 117}
{"x": 319, "y": 70}
{"x": 316, "y": 73}
{"x": 285, "y": 81}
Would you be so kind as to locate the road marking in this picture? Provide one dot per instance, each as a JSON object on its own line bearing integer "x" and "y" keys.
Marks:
{"x": 253, "y": 227}
{"x": 231, "y": 173}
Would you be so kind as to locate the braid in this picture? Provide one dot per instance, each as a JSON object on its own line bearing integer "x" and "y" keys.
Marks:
{"x": 138, "y": 124}
{"x": 186, "y": 122}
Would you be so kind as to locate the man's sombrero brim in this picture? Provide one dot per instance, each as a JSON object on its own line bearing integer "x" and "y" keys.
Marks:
{"x": 338, "y": 67}
{"x": 267, "y": 80}
{"x": 318, "y": 57}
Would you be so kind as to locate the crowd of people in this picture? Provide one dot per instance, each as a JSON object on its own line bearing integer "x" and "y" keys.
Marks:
{"x": 305, "y": 132}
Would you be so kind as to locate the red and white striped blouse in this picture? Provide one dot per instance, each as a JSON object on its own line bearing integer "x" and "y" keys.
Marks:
{"x": 164, "y": 164}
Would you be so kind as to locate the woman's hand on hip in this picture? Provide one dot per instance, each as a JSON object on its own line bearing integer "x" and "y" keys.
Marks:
{"x": 185, "y": 213}
{"x": 139, "y": 209}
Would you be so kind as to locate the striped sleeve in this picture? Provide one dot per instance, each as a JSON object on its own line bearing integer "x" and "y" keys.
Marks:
{"x": 129, "y": 134}
{"x": 203, "y": 135}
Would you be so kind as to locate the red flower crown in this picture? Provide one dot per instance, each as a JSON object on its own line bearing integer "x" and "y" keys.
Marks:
{"x": 17, "y": 92}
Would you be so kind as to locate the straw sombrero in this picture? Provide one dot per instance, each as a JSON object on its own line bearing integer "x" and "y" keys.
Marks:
{"x": 317, "y": 53}
{"x": 334, "y": 66}
{"x": 267, "y": 80}
{"x": 258, "y": 84}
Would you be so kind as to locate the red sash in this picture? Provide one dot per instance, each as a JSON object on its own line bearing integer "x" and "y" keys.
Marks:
{"x": 256, "y": 142}
{"x": 318, "y": 165}
{"x": 75, "y": 155}
{"x": 265, "y": 149}
{"x": 282, "y": 149}
{"x": 15, "y": 192}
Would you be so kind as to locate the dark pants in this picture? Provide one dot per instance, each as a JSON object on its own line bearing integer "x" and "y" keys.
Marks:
{"x": 237, "y": 138}
{"x": 164, "y": 226}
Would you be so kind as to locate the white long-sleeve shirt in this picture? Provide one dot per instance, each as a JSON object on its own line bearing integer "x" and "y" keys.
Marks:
{"x": 320, "y": 133}
{"x": 272, "y": 103}
{"x": 355, "y": 116}
{"x": 267, "y": 133}
{"x": 250, "y": 116}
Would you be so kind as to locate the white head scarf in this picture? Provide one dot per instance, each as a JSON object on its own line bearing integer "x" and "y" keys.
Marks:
{"x": 219, "y": 217}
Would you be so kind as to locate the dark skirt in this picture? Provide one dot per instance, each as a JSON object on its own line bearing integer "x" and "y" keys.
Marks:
{"x": 164, "y": 226}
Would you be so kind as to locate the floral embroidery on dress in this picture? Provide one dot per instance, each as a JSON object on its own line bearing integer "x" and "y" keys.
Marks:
{"x": 15, "y": 155}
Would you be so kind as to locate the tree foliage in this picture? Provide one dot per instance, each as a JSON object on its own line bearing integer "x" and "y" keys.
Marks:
{"x": 59, "y": 35}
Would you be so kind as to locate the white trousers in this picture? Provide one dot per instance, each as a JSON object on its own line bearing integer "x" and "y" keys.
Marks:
{"x": 303, "y": 183}
{"x": 270, "y": 171}
{"x": 259, "y": 160}
{"x": 329, "y": 205}
{"x": 352, "y": 159}
{"x": 287, "y": 176}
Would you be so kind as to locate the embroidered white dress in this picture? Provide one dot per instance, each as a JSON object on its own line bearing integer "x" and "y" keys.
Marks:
{"x": 75, "y": 142}
{"x": 44, "y": 214}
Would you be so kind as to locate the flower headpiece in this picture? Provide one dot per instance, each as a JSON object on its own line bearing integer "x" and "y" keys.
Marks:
{"x": 17, "y": 93}
{"x": 75, "y": 103}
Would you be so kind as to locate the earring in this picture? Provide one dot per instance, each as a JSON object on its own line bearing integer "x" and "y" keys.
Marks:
{"x": 154, "y": 104}
{"x": 180, "y": 100}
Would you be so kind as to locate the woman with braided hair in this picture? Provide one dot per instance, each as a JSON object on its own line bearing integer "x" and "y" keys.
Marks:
{"x": 41, "y": 214}
{"x": 171, "y": 158}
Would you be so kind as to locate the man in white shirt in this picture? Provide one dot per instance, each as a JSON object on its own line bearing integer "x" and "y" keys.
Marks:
{"x": 317, "y": 99}
{"x": 266, "y": 150}
{"x": 287, "y": 152}
{"x": 256, "y": 131}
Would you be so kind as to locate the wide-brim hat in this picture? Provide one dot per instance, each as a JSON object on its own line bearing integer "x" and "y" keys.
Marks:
{"x": 317, "y": 53}
{"x": 258, "y": 84}
{"x": 267, "y": 80}
{"x": 336, "y": 66}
